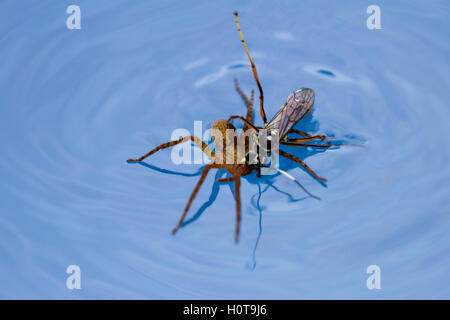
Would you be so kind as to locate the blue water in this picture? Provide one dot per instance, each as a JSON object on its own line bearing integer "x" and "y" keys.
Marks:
{"x": 75, "y": 104}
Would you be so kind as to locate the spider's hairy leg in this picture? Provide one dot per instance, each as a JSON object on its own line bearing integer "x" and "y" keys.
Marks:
{"x": 241, "y": 93}
{"x": 237, "y": 192}
{"x": 247, "y": 122}
{"x": 304, "y": 165}
{"x": 255, "y": 73}
{"x": 248, "y": 103}
{"x": 194, "y": 193}
{"x": 205, "y": 148}
{"x": 249, "y": 115}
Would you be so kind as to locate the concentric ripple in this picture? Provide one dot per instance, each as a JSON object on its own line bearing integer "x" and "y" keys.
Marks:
{"x": 75, "y": 104}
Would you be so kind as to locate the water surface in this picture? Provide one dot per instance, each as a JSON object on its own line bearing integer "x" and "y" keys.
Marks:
{"x": 75, "y": 104}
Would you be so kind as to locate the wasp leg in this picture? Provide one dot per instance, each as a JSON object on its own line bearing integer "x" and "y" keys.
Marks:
{"x": 226, "y": 179}
{"x": 255, "y": 73}
{"x": 319, "y": 137}
{"x": 205, "y": 148}
{"x": 293, "y": 144}
{"x": 305, "y": 134}
{"x": 304, "y": 165}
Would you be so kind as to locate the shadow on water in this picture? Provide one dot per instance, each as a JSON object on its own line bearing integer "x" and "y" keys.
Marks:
{"x": 260, "y": 209}
{"x": 257, "y": 204}
{"x": 252, "y": 179}
{"x": 176, "y": 173}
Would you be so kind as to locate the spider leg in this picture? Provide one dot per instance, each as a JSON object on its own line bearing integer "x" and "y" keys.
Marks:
{"x": 241, "y": 93}
{"x": 194, "y": 193}
{"x": 237, "y": 191}
{"x": 255, "y": 73}
{"x": 249, "y": 103}
{"x": 205, "y": 148}
{"x": 226, "y": 179}
{"x": 247, "y": 122}
{"x": 304, "y": 165}
{"x": 250, "y": 107}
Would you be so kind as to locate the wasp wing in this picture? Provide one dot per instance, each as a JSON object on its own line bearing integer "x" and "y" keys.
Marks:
{"x": 298, "y": 105}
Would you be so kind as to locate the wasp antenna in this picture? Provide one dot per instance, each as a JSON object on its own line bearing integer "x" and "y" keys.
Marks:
{"x": 255, "y": 73}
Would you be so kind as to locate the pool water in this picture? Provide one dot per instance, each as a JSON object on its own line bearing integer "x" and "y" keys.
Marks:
{"x": 75, "y": 104}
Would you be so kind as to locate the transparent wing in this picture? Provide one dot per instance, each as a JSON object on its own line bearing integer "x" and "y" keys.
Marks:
{"x": 298, "y": 105}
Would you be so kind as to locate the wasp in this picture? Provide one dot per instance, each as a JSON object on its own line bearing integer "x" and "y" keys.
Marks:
{"x": 298, "y": 104}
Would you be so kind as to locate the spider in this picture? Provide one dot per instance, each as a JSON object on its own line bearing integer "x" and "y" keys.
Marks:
{"x": 297, "y": 106}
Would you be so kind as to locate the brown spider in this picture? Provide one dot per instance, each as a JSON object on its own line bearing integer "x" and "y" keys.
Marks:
{"x": 297, "y": 106}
